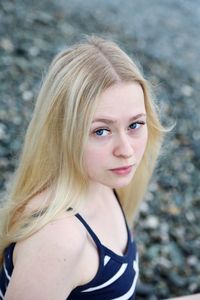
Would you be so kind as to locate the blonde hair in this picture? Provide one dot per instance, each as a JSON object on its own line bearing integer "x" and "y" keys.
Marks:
{"x": 54, "y": 143}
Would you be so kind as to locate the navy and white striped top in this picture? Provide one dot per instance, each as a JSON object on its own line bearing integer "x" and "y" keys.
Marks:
{"x": 6, "y": 270}
{"x": 116, "y": 276}
{"x": 115, "y": 279}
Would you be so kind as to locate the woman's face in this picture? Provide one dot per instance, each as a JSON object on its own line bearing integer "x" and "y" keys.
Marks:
{"x": 118, "y": 136}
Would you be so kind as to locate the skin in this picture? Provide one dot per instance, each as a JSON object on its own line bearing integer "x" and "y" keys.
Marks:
{"x": 118, "y": 136}
{"x": 62, "y": 255}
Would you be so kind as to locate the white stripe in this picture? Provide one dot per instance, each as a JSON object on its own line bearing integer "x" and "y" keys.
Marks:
{"x": 111, "y": 280}
{"x": 6, "y": 272}
{"x": 132, "y": 289}
{"x": 106, "y": 259}
{"x": 1, "y": 295}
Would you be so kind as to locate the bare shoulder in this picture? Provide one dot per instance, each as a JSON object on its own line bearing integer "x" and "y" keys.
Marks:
{"x": 64, "y": 236}
{"x": 52, "y": 256}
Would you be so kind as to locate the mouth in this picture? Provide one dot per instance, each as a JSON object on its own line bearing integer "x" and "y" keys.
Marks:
{"x": 122, "y": 170}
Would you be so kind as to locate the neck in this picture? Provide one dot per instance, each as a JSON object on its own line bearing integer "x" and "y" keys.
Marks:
{"x": 97, "y": 196}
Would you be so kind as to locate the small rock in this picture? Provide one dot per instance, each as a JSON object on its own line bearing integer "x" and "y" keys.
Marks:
{"x": 27, "y": 95}
{"x": 154, "y": 252}
{"x": 190, "y": 216}
{"x": 152, "y": 222}
{"x": 3, "y": 163}
{"x": 173, "y": 210}
{"x": 43, "y": 18}
{"x": 144, "y": 208}
{"x": 187, "y": 90}
{"x": 144, "y": 289}
{"x": 17, "y": 120}
{"x": 34, "y": 51}
{"x": 149, "y": 196}
{"x": 7, "y": 45}
{"x": 3, "y": 134}
{"x": 176, "y": 280}
{"x": 193, "y": 287}
{"x": 196, "y": 135}
{"x": 164, "y": 262}
{"x": 192, "y": 260}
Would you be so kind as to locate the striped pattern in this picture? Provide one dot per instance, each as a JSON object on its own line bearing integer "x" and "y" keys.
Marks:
{"x": 120, "y": 273}
{"x": 110, "y": 281}
{"x": 6, "y": 271}
{"x": 131, "y": 291}
{"x": 116, "y": 277}
{"x": 1, "y": 295}
{"x": 106, "y": 260}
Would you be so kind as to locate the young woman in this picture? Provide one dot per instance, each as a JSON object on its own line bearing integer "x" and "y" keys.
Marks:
{"x": 88, "y": 155}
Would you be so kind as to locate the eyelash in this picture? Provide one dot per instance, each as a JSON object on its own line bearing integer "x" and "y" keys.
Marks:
{"x": 105, "y": 129}
{"x": 137, "y": 123}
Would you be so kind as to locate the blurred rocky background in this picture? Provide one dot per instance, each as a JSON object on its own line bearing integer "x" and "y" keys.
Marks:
{"x": 164, "y": 36}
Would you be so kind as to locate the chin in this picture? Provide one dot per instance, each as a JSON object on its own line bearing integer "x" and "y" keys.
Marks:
{"x": 120, "y": 183}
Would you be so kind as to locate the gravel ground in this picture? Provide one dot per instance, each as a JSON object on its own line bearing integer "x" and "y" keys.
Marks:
{"x": 164, "y": 37}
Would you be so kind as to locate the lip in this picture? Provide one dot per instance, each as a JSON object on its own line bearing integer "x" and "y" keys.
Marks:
{"x": 122, "y": 170}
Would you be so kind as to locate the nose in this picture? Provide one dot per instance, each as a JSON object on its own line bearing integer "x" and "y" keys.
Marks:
{"x": 123, "y": 146}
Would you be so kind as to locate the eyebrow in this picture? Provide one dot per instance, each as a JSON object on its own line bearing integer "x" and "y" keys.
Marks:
{"x": 109, "y": 121}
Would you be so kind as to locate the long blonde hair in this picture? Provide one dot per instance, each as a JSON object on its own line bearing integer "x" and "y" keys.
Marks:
{"x": 53, "y": 149}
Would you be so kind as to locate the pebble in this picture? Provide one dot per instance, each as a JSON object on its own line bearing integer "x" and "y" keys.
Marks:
{"x": 164, "y": 262}
{"x": 27, "y": 95}
{"x": 7, "y": 45}
{"x": 193, "y": 287}
{"x": 151, "y": 222}
{"x": 187, "y": 90}
{"x": 192, "y": 260}
{"x": 34, "y": 51}
{"x": 3, "y": 133}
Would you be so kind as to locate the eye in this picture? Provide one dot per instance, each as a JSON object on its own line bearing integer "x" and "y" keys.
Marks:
{"x": 136, "y": 125}
{"x": 101, "y": 132}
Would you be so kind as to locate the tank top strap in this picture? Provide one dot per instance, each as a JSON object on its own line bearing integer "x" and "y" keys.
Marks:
{"x": 89, "y": 230}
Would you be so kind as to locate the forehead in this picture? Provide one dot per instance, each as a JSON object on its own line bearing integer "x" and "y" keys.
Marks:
{"x": 121, "y": 99}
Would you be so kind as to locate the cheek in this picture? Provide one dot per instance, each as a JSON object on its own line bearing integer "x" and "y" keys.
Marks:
{"x": 93, "y": 157}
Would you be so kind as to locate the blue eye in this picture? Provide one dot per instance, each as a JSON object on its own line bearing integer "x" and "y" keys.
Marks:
{"x": 136, "y": 125}
{"x": 101, "y": 132}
